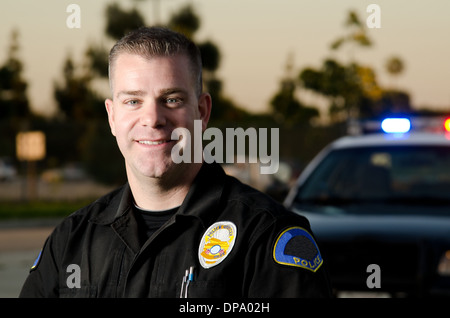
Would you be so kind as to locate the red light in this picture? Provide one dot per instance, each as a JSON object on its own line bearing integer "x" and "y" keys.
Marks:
{"x": 447, "y": 125}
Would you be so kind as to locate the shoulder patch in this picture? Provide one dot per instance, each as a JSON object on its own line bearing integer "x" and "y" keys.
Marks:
{"x": 296, "y": 247}
{"x": 36, "y": 262}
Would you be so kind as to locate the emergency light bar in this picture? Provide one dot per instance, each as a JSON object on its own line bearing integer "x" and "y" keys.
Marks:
{"x": 447, "y": 125}
{"x": 400, "y": 125}
{"x": 396, "y": 125}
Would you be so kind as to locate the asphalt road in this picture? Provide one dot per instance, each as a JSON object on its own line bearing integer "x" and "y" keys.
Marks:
{"x": 21, "y": 240}
{"x": 20, "y": 244}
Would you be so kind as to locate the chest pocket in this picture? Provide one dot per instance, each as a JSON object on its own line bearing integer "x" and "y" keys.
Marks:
{"x": 204, "y": 289}
{"x": 82, "y": 292}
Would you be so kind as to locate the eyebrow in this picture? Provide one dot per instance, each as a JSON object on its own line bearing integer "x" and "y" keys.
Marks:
{"x": 131, "y": 93}
{"x": 174, "y": 90}
{"x": 162, "y": 92}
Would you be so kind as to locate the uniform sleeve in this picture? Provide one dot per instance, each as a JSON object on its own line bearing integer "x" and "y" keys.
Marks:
{"x": 285, "y": 262}
{"x": 43, "y": 279}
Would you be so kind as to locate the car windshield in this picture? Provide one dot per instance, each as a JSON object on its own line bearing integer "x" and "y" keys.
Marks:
{"x": 406, "y": 178}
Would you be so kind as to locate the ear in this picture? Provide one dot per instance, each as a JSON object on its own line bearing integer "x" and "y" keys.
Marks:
{"x": 204, "y": 107}
{"x": 110, "y": 110}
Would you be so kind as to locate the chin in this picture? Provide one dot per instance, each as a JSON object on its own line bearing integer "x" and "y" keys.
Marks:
{"x": 156, "y": 172}
{"x": 153, "y": 169}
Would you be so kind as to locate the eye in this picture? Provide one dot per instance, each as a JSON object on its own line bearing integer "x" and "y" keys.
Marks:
{"x": 173, "y": 101}
{"x": 132, "y": 102}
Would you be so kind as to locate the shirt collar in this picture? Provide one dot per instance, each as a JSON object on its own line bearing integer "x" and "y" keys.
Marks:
{"x": 202, "y": 200}
{"x": 205, "y": 193}
{"x": 114, "y": 206}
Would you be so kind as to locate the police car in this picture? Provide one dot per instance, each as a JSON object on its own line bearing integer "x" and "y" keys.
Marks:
{"x": 379, "y": 206}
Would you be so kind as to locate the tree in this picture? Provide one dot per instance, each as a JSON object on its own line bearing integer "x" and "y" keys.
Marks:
{"x": 75, "y": 98}
{"x": 15, "y": 112}
{"x": 97, "y": 60}
{"x": 14, "y": 103}
{"x": 286, "y": 108}
{"x": 394, "y": 66}
{"x": 357, "y": 34}
{"x": 120, "y": 21}
{"x": 210, "y": 56}
{"x": 352, "y": 88}
{"x": 185, "y": 21}
{"x": 393, "y": 99}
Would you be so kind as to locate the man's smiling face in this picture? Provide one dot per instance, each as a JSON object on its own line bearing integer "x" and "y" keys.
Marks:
{"x": 152, "y": 97}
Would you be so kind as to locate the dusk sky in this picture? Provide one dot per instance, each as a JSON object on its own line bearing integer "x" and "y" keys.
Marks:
{"x": 255, "y": 38}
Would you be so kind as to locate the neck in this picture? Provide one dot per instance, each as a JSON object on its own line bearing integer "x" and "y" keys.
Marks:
{"x": 164, "y": 193}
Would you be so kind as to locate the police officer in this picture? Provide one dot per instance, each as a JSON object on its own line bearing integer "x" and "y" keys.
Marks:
{"x": 175, "y": 229}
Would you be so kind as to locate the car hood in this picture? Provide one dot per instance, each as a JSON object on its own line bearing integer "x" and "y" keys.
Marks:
{"x": 407, "y": 249}
{"x": 384, "y": 226}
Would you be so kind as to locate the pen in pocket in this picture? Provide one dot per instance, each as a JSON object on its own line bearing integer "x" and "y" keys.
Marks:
{"x": 187, "y": 279}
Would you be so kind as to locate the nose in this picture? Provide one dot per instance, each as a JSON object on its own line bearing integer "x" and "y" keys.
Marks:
{"x": 152, "y": 115}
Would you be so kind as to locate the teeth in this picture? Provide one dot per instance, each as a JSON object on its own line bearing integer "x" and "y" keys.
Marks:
{"x": 148, "y": 142}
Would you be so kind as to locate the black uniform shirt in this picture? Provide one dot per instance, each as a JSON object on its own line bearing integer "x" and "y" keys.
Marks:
{"x": 238, "y": 242}
{"x": 150, "y": 221}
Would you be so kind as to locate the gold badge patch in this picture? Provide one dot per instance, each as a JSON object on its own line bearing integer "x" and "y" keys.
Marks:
{"x": 217, "y": 243}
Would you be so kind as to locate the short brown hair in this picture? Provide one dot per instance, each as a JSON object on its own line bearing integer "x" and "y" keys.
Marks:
{"x": 158, "y": 41}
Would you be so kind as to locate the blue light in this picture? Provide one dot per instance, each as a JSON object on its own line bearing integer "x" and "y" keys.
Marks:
{"x": 396, "y": 125}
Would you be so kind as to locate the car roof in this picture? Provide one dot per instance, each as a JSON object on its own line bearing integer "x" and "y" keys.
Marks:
{"x": 408, "y": 139}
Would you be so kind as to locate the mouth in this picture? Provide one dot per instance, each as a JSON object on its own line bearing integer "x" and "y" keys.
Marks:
{"x": 152, "y": 142}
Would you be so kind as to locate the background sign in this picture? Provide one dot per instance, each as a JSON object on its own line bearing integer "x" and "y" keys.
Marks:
{"x": 30, "y": 145}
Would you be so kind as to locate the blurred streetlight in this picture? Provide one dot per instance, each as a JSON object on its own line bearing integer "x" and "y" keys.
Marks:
{"x": 30, "y": 147}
